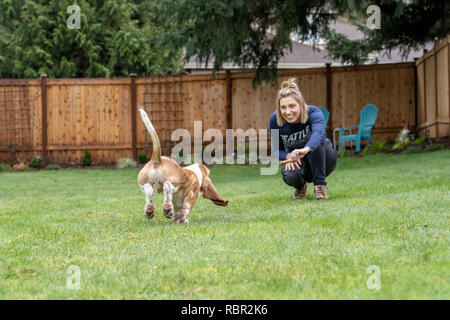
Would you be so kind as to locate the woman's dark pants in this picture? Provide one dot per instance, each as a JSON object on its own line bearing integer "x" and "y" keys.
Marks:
{"x": 315, "y": 167}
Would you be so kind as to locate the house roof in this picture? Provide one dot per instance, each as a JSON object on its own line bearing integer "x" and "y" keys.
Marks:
{"x": 301, "y": 56}
{"x": 352, "y": 32}
{"x": 307, "y": 55}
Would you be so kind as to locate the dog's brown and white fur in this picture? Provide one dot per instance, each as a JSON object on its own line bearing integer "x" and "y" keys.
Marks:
{"x": 181, "y": 186}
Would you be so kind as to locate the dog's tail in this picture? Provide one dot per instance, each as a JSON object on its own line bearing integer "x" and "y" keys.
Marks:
{"x": 156, "y": 155}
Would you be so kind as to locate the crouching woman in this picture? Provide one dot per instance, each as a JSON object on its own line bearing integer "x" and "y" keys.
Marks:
{"x": 303, "y": 142}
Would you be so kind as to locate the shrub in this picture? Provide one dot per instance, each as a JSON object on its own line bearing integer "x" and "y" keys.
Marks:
{"x": 343, "y": 153}
{"x": 412, "y": 149}
{"x": 419, "y": 141}
{"x": 434, "y": 147}
{"x": 4, "y": 167}
{"x": 366, "y": 151}
{"x": 378, "y": 147}
{"x": 142, "y": 158}
{"x": 87, "y": 160}
{"x": 52, "y": 167}
{"x": 126, "y": 163}
{"x": 375, "y": 147}
{"x": 37, "y": 162}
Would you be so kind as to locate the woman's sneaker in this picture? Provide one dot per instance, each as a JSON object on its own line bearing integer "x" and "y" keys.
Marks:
{"x": 320, "y": 192}
{"x": 300, "y": 194}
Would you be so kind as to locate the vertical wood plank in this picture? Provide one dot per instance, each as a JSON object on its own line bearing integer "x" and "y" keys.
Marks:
{"x": 44, "y": 115}
{"x": 133, "y": 116}
{"x": 329, "y": 96}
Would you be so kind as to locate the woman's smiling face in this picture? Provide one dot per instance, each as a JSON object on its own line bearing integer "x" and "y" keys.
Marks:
{"x": 290, "y": 109}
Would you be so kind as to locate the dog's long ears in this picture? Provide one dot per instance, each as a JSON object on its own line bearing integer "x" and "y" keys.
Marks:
{"x": 156, "y": 155}
{"x": 209, "y": 192}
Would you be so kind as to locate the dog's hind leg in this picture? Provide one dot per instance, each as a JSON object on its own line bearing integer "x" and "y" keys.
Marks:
{"x": 168, "y": 190}
{"x": 147, "y": 189}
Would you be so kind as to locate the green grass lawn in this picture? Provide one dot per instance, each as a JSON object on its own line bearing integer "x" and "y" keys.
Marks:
{"x": 390, "y": 211}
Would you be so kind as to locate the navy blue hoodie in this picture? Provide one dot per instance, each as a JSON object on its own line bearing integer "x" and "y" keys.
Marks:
{"x": 300, "y": 135}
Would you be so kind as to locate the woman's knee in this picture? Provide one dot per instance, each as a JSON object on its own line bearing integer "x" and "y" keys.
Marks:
{"x": 293, "y": 178}
{"x": 331, "y": 162}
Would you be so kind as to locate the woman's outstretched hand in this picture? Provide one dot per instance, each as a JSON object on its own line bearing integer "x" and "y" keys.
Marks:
{"x": 292, "y": 162}
{"x": 293, "y": 165}
{"x": 294, "y": 158}
{"x": 300, "y": 153}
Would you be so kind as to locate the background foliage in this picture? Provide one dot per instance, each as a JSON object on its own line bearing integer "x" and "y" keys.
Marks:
{"x": 256, "y": 33}
{"x": 116, "y": 38}
{"x": 405, "y": 25}
{"x": 246, "y": 33}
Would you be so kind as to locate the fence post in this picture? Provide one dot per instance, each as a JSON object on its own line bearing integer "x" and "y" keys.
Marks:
{"x": 229, "y": 105}
{"x": 133, "y": 116}
{"x": 416, "y": 88}
{"x": 329, "y": 105}
{"x": 436, "y": 43}
{"x": 448, "y": 67}
{"x": 425, "y": 87}
{"x": 44, "y": 115}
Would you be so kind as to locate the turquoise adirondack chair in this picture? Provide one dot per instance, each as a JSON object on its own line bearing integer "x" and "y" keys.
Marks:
{"x": 326, "y": 116}
{"x": 367, "y": 119}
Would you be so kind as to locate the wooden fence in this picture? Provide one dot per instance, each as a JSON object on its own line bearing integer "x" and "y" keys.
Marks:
{"x": 68, "y": 116}
{"x": 433, "y": 98}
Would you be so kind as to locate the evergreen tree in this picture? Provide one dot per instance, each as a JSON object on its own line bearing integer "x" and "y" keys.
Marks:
{"x": 254, "y": 33}
{"x": 405, "y": 25}
{"x": 116, "y": 38}
{"x": 249, "y": 33}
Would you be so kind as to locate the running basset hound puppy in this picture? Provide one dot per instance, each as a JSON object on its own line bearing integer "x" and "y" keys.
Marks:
{"x": 181, "y": 186}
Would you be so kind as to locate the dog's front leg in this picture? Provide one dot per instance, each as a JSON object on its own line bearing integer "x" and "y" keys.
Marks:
{"x": 186, "y": 208}
{"x": 168, "y": 189}
{"x": 149, "y": 210}
{"x": 181, "y": 216}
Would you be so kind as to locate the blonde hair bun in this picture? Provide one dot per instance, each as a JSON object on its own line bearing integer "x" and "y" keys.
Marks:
{"x": 291, "y": 83}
